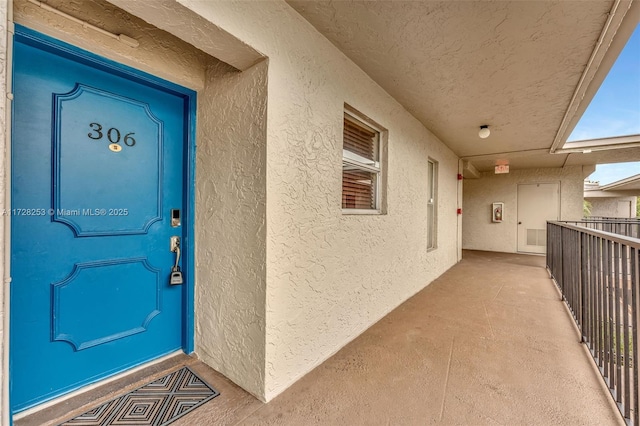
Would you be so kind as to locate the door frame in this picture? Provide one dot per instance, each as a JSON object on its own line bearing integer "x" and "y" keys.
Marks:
{"x": 64, "y": 49}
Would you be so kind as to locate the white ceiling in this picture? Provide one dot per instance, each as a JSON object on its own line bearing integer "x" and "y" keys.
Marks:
{"x": 456, "y": 65}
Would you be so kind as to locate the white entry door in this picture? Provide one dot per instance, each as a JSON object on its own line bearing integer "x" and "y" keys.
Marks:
{"x": 624, "y": 209}
{"x": 537, "y": 203}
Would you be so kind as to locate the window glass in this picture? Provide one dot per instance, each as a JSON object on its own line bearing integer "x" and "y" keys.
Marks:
{"x": 360, "y": 165}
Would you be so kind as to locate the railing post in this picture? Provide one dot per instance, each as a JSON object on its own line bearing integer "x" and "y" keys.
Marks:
{"x": 635, "y": 294}
{"x": 617, "y": 371}
{"x": 583, "y": 283}
{"x": 625, "y": 332}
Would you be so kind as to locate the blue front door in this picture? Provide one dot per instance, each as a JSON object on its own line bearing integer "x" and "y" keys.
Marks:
{"x": 97, "y": 172}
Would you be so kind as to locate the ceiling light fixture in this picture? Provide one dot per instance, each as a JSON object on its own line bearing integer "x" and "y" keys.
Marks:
{"x": 484, "y": 131}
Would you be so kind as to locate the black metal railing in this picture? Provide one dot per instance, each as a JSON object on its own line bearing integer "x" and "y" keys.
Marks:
{"x": 598, "y": 274}
{"x": 629, "y": 227}
{"x": 618, "y": 219}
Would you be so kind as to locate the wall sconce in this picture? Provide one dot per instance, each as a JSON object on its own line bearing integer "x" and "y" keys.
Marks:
{"x": 484, "y": 131}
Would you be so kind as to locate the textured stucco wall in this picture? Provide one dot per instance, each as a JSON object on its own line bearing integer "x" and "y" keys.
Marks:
{"x": 610, "y": 207}
{"x": 479, "y": 233}
{"x": 230, "y": 230}
{"x": 329, "y": 275}
{"x": 159, "y": 53}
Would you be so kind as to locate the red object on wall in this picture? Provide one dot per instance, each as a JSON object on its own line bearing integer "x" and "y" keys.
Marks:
{"x": 460, "y": 177}
{"x": 459, "y": 211}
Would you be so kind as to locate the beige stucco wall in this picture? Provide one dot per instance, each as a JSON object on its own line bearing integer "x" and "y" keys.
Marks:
{"x": 230, "y": 224}
{"x": 329, "y": 275}
{"x": 610, "y": 207}
{"x": 479, "y": 233}
{"x": 158, "y": 53}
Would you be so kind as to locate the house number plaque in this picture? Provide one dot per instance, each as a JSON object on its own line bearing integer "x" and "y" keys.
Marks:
{"x": 113, "y": 136}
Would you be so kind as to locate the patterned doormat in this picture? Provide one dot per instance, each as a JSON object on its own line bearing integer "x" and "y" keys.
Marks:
{"x": 158, "y": 403}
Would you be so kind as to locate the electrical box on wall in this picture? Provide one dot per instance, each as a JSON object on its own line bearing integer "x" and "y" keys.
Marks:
{"x": 497, "y": 212}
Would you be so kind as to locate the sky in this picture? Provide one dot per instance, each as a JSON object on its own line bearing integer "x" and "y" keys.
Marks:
{"x": 615, "y": 110}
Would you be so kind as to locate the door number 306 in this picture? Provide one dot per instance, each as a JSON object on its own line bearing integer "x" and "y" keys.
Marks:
{"x": 113, "y": 135}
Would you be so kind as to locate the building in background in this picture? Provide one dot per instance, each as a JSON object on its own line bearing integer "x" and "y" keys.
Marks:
{"x": 617, "y": 199}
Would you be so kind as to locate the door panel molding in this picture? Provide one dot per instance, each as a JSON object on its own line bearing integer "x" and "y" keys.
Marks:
{"x": 100, "y": 323}
{"x": 91, "y": 140}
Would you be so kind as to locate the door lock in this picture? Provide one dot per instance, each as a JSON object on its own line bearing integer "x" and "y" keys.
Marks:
{"x": 175, "y": 218}
{"x": 175, "y": 243}
{"x": 176, "y": 275}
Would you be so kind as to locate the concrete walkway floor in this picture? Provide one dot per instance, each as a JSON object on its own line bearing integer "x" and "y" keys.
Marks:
{"x": 487, "y": 343}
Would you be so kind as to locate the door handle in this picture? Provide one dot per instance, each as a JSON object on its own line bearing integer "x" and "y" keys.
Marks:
{"x": 176, "y": 274}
